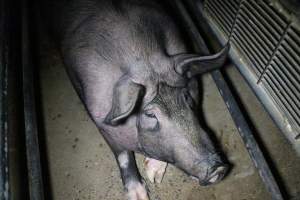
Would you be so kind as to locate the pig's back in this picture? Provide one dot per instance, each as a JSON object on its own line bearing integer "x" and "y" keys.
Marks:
{"x": 124, "y": 27}
{"x": 105, "y": 39}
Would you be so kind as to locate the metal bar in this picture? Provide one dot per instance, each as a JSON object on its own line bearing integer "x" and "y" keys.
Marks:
{"x": 4, "y": 176}
{"x": 274, "y": 52}
{"x": 36, "y": 191}
{"x": 252, "y": 147}
{"x": 235, "y": 19}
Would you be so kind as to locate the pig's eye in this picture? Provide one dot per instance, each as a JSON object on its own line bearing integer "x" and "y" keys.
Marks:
{"x": 148, "y": 113}
{"x": 148, "y": 121}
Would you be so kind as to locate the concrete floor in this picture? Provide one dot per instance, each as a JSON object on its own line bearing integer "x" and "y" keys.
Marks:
{"x": 83, "y": 168}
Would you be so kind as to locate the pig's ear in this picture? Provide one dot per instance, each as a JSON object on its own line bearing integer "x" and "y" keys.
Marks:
{"x": 184, "y": 62}
{"x": 126, "y": 97}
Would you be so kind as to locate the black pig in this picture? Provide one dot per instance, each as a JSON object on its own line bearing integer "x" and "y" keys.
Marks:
{"x": 129, "y": 64}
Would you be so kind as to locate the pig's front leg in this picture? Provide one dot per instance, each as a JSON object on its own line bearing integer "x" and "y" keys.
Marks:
{"x": 155, "y": 169}
{"x": 132, "y": 180}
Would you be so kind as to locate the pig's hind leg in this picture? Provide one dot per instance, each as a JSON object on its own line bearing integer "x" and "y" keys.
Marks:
{"x": 132, "y": 180}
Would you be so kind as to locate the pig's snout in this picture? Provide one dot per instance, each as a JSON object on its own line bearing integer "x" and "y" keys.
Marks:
{"x": 212, "y": 171}
{"x": 216, "y": 174}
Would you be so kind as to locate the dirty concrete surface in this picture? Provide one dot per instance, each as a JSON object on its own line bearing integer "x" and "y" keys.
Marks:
{"x": 82, "y": 167}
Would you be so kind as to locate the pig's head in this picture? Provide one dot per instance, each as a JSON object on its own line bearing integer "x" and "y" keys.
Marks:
{"x": 168, "y": 127}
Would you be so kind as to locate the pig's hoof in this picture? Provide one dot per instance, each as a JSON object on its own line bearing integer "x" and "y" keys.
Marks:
{"x": 136, "y": 191}
{"x": 155, "y": 169}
